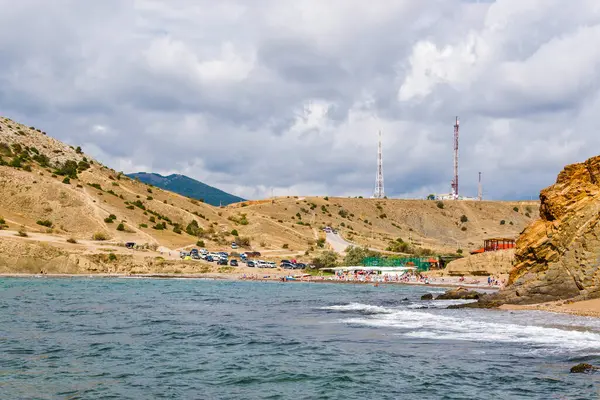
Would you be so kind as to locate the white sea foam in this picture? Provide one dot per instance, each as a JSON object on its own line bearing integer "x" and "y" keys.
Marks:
{"x": 427, "y": 325}
{"x": 360, "y": 307}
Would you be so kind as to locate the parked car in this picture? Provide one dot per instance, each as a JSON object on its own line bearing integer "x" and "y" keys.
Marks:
{"x": 222, "y": 261}
{"x": 251, "y": 264}
{"x": 287, "y": 265}
{"x": 233, "y": 263}
{"x": 272, "y": 264}
{"x": 209, "y": 258}
{"x": 234, "y": 245}
{"x": 285, "y": 262}
{"x": 195, "y": 256}
{"x": 300, "y": 266}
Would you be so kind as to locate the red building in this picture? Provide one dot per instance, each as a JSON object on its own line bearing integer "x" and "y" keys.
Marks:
{"x": 496, "y": 244}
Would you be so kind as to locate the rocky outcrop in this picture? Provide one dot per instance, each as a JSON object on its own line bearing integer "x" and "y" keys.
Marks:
{"x": 459, "y": 294}
{"x": 557, "y": 256}
{"x": 583, "y": 369}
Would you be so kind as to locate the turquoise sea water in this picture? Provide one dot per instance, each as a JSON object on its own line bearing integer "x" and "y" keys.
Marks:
{"x": 97, "y": 338}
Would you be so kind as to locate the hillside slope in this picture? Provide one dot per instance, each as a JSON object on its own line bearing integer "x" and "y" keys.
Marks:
{"x": 188, "y": 187}
{"x": 54, "y": 192}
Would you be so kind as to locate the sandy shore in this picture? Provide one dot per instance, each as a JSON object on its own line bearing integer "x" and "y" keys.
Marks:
{"x": 261, "y": 275}
{"x": 586, "y": 308}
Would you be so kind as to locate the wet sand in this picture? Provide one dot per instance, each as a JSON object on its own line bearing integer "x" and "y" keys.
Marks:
{"x": 584, "y": 308}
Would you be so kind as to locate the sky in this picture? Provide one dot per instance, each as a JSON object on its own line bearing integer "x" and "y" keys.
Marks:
{"x": 286, "y": 97}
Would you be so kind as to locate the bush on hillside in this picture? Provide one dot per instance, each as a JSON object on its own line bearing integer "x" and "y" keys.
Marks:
{"x": 143, "y": 225}
{"x": 327, "y": 259}
{"x": 440, "y": 204}
{"x": 200, "y": 243}
{"x": 45, "y": 223}
{"x": 177, "y": 229}
{"x": 121, "y": 227}
{"x": 100, "y": 236}
{"x": 243, "y": 241}
{"x": 502, "y": 222}
{"x": 464, "y": 218}
{"x": 71, "y": 240}
{"x": 516, "y": 209}
{"x": 234, "y": 232}
{"x": 22, "y": 232}
{"x": 285, "y": 246}
{"x": 69, "y": 168}
{"x": 321, "y": 243}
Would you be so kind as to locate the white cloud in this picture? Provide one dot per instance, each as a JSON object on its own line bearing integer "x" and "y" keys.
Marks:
{"x": 290, "y": 96}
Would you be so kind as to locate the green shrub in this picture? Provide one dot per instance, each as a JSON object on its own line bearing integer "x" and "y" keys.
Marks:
{"x": 71, "y": 240}
{"x": 177, "y": 229}
{"x": 528, "y": 215}
{"x": 22, "y": 232}
{"x": 326, "y": 198}
{"x": 285, "y": 246}
{"x": 440, "y": 204}
{"x": 143, "y": 225}
{"x": 149, "y": 198}
{"x": 459, "y": 251}
{"x": 45, "y": 223}
{"x": 243, "y": 241}
{"x": 464, "y": 218}
{"x": 516, "y": 209}
{"x": 502, "y": 222}
{"x": 112, "y": 257}
{"x": 234, "y": 232}
{"x": 200, "y": 243}
{"x": 78, "y": 150}
{"x": 67, "y": 180}
{"x": 101, "y": 236}
{"x": 121, "y": 227}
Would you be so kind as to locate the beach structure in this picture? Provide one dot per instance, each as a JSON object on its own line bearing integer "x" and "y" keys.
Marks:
{"x": 494, "y": 244}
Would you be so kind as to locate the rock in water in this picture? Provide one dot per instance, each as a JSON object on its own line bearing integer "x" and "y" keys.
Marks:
{"x": 583, "y": 369}
{"x": 459, "y": 294}
{"x": 427, "y": 296}
{"x": 557, "y": 256}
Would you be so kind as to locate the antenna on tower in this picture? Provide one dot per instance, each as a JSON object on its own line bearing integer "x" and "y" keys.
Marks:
{"x": 479, "y": 189}
{"x": 379, "y": 191}
{"x": 454, "y": 184}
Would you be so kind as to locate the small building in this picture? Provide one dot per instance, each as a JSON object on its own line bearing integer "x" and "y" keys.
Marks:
{"x": 495, "y": 244}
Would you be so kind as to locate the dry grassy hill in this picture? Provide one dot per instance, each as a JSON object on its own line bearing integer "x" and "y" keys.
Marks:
{"x": 55, "y": 192}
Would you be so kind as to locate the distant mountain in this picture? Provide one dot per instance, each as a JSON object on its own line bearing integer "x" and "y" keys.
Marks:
{"x": 187, "y": 187}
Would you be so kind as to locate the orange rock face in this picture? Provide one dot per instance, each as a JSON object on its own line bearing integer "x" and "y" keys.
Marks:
{"x": 558, "y": 256}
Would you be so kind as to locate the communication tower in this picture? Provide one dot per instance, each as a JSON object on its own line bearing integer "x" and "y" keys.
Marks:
{"x": 379, "y": 191}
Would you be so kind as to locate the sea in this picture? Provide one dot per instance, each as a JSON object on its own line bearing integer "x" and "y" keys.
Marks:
{"x": 120, "y": 338}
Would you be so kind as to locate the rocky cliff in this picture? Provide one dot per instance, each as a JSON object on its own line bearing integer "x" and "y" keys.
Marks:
{"x": 558, "y": 255}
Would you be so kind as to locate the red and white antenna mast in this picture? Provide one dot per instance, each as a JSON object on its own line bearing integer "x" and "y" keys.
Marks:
{"x": 379, "y": 190}
{"x": 455, "y": 180}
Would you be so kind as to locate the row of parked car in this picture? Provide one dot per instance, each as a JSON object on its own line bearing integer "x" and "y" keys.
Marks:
{"x": 222, "y": 258}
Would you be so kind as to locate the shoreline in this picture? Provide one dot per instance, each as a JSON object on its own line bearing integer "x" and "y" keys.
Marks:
{"x": 231, "y": 277}
{"x": 580, "y": 308}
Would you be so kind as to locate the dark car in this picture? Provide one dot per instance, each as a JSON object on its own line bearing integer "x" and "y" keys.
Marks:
{"x": 222, "y": 261}
{"x": 251, "y": 264}
{"x": 233, "y": 263}
{"x": 210, "y": 259}
{"x": 300, "y": 266}
{"x": 195, "y": 256}
{"x": 285, "y": 262}
{"x": 286, "y": 265}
